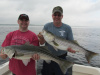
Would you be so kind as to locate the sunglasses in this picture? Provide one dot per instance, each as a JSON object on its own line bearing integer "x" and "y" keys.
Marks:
{"x": 59, "y": 15}
{"x": 24, "y": 19}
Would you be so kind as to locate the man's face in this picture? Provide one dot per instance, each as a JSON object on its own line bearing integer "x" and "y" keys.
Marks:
{"x": 57, "y": 17}
{"x": 23, "y": 23}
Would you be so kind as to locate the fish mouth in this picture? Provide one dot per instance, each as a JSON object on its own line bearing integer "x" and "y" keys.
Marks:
{"x": 43, "y": 31}
{"x": 40, "y": 33}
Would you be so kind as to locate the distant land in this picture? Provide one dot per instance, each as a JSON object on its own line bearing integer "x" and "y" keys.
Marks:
{"x": 43, "y": 25}
{"x": 17, "y": 25}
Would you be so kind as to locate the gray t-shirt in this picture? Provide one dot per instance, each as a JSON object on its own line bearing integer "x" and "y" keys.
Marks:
{"x": 63, "y": 31}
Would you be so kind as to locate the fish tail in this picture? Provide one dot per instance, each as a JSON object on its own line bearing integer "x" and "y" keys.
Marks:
{"x": 64, "y": 65}
{"x": 89, "y": 55}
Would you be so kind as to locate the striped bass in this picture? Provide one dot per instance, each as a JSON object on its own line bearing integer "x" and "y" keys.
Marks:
{"x": 63, "y": 44}
{"x": 25, "y": 52}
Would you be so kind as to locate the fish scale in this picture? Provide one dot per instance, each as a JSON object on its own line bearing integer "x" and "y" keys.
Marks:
{"x": 23, "y": 52}
{"x": 63, "y": 44}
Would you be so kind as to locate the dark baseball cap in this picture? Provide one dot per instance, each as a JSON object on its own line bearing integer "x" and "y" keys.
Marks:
{"x": 57, "y": 9}
{"x": 23, "y": 16}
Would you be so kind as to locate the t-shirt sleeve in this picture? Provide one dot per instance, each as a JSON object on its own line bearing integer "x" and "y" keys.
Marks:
{"x": 7, "y": 40}
{"x": 35, "y": 41}
{"x": 45, "y": 27}
{"x": 70, "y": 34}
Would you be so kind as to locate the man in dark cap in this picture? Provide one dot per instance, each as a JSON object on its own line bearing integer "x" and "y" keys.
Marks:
{"x": 60, "y": 29}
{"x": 20, "y": 37}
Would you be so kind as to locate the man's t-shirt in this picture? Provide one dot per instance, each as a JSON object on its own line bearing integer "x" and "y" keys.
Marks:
{"x": 19, "y": 38}
{"x": 63, "y": 31}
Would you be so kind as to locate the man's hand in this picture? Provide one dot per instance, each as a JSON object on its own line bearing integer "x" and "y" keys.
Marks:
{"x": 70, "y": 50}
{"x": 35, "y": 57}
{"x": 3, "y": 56}
{"x": 41, "y": 38}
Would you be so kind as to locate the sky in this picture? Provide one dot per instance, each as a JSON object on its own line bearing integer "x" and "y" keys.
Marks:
{"x": 76, "y": 12}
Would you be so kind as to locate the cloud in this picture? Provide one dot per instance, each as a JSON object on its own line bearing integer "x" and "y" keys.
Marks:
{"x": 76, "y": 12}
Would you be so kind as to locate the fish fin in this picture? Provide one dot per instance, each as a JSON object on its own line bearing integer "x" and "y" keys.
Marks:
{"x": 48, "y": 61}
{"x": 55, "y": 43}
{"x": 64, "y": 65}
{"x": 55, "y": 48}
{"x": 45, "y": 48}
{"x": 75, "y": 41}
{"x": 19, "y": 54}
{"x": 28, "y": 43}
{"x": 25, "y": 61}
{"x": 89, "y": 55}
{"x": 11, "y": 55}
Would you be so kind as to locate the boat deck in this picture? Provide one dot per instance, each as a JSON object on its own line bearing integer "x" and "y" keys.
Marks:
{"x": 76, "y": 70}
{"x": 7, "y": 73}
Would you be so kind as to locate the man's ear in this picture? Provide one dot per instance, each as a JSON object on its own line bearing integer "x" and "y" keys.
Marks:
{"x": 62, "y": 16}
{"x": 52, "y": 15}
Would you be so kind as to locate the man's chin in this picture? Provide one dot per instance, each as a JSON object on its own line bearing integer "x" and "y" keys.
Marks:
{"x": 57, "y": 22}
{"x": 24, "y": 26}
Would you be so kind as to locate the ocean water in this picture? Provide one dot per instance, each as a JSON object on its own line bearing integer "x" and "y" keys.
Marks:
{"x": 88, "y": 37}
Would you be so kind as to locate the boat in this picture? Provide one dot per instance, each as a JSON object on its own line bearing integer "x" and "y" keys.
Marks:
{"x": 4, "y": 70}
{"x": 85, "y": 70}
{"x": 76, "y": 70}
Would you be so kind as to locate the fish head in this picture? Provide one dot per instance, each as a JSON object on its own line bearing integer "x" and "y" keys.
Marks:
{"x": 48, "y": 36}
{"x": 9, "y": 51}
{"x": 43, "y": 32}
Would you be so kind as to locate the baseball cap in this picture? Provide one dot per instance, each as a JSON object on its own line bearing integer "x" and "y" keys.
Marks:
{"x": 23, "y": 16}
{"x": 57, "y": 9}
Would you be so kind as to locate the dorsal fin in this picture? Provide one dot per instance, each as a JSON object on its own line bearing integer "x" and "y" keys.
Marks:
{"x": 28, "y": 43}
{"x": 45, "y": 48}
{"x": 75, "y": 41}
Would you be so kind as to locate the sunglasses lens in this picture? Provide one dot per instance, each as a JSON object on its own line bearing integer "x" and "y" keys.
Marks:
{"x": 59, "y": 15}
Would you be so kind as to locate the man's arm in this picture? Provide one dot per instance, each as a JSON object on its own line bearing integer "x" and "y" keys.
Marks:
{"x": 3, "y": 56}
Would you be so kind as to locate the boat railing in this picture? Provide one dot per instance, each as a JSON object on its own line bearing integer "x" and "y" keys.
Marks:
{"x": 77, "y": 69}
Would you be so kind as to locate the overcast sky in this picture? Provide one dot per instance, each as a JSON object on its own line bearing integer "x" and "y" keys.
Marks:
{"x": 76, "y": 12}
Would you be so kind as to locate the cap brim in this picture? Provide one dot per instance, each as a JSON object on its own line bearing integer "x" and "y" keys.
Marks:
{"x": 57, "y": 11}
{"x": 26, "y": 18}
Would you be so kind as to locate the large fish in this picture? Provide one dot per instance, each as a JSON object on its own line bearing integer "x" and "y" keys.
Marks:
{"x": 25, "y": 52}
{"x": 63, "y": 44}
